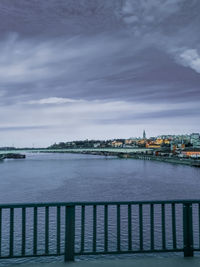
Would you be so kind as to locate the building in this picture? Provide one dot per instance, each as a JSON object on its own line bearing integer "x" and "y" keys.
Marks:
{"x": 159, "y": 141}
{"x": 144, "y": 134}
{"x": 148, "y": 145}
{"x": 195, "y": 139}
{"x": 97, "y": 145}
{"x": 129, "y": 141}
{"x": 117, "y": 144}
{"x": 191, "y": 153}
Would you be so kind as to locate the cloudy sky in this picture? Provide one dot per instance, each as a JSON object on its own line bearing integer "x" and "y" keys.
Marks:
{"x": 98, "y": 69}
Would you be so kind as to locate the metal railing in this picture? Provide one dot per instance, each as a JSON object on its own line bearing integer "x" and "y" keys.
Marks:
{"x": 92, "y": 228}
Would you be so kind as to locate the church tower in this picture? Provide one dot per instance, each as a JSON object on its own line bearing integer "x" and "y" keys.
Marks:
{"x": 144, "y": 134}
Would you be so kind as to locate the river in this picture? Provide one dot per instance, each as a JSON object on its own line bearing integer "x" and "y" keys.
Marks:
{"x": 77, "y": 177}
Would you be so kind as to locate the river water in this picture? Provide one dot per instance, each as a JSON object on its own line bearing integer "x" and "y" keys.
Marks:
{"x": 77, "y": 177}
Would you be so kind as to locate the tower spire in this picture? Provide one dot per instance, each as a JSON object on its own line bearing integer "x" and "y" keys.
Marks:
{"x": 144, "y": 134}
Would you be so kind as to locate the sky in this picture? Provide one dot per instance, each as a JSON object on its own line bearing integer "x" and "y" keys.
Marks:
{"x": 98, "y": 69}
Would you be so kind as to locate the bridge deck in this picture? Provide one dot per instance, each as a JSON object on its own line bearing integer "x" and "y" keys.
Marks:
{"x": 142, "y": 262}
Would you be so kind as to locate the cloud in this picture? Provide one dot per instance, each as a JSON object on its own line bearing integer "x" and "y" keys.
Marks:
{"x": 44, "y": 123}
{"x": 142, "y": 15}
{"x": 190, "y": 58}
{"x": 24, "y": 61}
{"x": 52, "y": 100}
{"x": 138, "y": 61}
{"x": 97, "y": 68}
{"x": 168, "y": 25}
{"x": 22, "y": 128}
{"x": 2, "y": 93}
{"x": 67, "y": 18}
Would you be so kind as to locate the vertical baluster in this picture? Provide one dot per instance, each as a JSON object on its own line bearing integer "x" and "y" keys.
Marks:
{"x": 118, "y": 229}
{"x": 94, "y": 227}
{"x": 152, "y": 226}
{"x": 11, "y": 231}
{"x": 188, "y": 230}
{"x": 35, "y": 230}
{"x": 69, "y": 233}
{"x": 0, "y": 229}
{"x": 163, "y": 227}
{"x": 106, "y": 227}
{"x": 46, "y": 230}
{"x": 129, "y": 227}
{"x": 141, "y": 225}
{"x": 82, "y": 228}
{"x": 58, "y": 230}
{"x": 173, "y": 225}
{"x": 199, "y": 223}
{"x": 23, "y": 231}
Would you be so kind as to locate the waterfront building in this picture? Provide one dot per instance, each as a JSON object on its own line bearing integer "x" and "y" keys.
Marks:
{"x": 191, "y": 153}
{"x": 129, "y": 141}
{"x": 173, "y": 147}
{"x": 181, "y": 146}
{"x": 166, "y": 141}
{"x": 141, "y": 142}
{"x": 149, "y": 145}
{"x": 117, "y": 144}
{"x": 159, "y": 141}
{"x": 195, "y": 139}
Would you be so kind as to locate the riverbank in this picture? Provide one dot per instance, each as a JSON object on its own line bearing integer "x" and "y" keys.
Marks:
{"x": 174, "y": 160}
{"x": 143, "y": 155}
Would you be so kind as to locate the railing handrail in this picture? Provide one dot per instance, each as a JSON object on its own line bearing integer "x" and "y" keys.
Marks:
{"x": 96, "y": 203}
{"x": 66, "y": 214}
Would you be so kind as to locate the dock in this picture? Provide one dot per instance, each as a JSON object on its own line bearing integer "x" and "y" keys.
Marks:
{"x": 12, "y": 156}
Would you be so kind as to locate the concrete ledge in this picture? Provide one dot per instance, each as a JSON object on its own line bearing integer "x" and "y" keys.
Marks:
{"x": 144, "y": 262}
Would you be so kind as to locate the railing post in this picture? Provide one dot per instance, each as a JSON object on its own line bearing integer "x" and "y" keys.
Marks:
{"x": 69, "y": 232}
{"x": 187, "y": 230}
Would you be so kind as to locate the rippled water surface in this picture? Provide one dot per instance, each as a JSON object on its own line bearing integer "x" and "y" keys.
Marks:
{"x": 73, "y": 177}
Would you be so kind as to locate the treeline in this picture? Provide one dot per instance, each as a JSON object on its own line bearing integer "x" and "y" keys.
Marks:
{"x": 84, "y": 144}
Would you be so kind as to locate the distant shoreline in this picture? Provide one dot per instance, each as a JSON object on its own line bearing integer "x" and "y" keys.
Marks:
{"x": 131, "y": 155}
{"x": 120, "y": 153}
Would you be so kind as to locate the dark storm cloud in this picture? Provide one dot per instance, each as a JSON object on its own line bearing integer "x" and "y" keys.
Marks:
{"x": 133, "y": 117}
{"x": 76, "y": 52}
{"x": 101, "y": 67}
{"x": 58, "y": 17}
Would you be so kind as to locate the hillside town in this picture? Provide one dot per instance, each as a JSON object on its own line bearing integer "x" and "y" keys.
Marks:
{"x": 164, "y": 145}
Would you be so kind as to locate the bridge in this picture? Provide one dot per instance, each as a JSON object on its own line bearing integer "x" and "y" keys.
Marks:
{"x": 99, "y": 228}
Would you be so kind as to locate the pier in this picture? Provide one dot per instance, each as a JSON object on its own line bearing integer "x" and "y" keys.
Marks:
{"x": 12, "y": 156}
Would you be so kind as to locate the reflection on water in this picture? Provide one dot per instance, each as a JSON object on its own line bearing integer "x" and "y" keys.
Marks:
{"x": 72, "y": 177}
